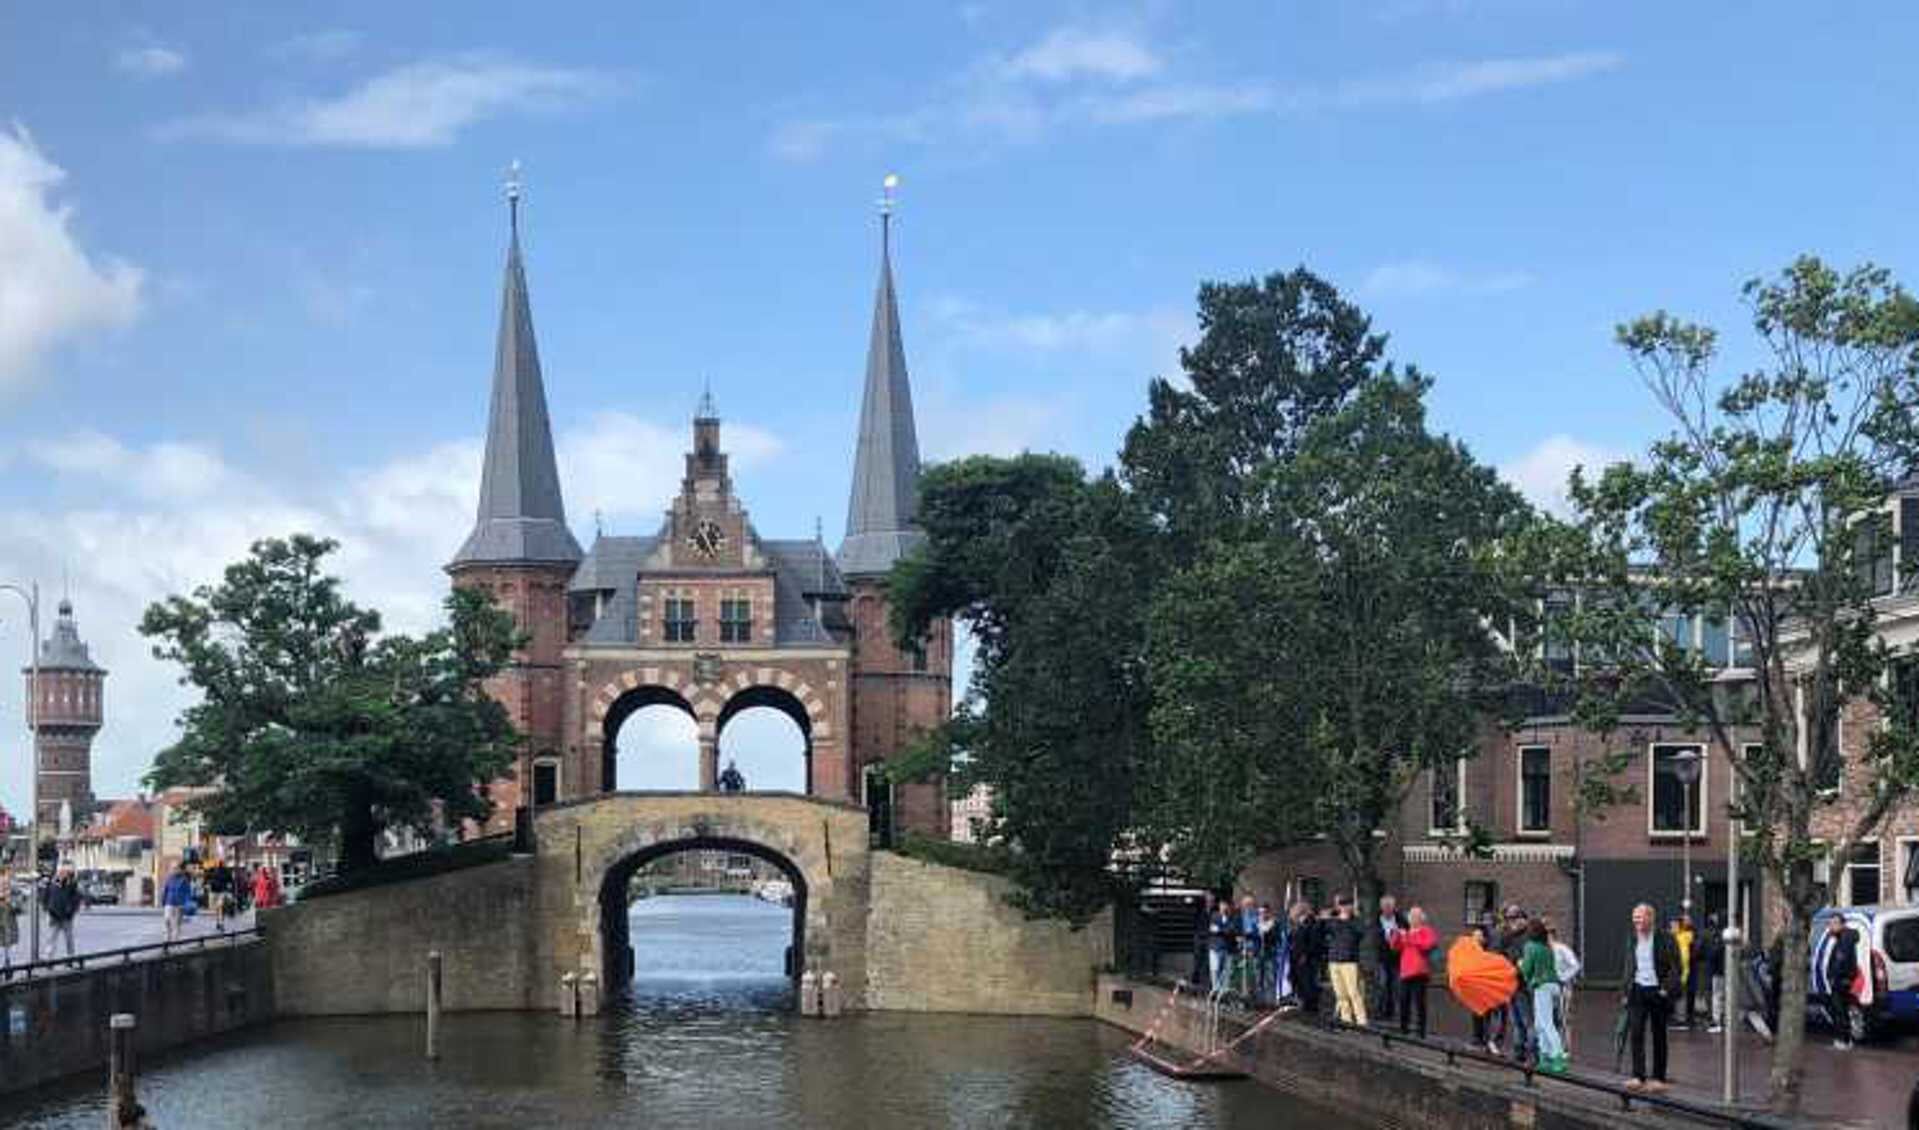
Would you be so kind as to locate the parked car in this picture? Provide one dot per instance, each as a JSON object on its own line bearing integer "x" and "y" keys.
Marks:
{"x": 1889, "y": 949}
{"x": 100, "y": 892}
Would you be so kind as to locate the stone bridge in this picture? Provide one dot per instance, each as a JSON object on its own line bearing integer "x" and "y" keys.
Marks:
{"x": 589, "y": 849}
{"x": 900, "y": 933}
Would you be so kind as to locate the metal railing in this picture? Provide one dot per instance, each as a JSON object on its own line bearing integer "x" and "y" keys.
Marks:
{"x": 1455, "y": 1053}
{"x": 126, "y": 955}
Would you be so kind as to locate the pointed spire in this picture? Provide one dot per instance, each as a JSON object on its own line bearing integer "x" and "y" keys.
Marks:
{"x": 880, "y": 515}
{"x": 521, "y": 516}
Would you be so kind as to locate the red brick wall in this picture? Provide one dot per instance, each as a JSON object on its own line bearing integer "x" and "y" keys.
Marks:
{"x": 892, "y": 703}
{"x": 532, "y": 690}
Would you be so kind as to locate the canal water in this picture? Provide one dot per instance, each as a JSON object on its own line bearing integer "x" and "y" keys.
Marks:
{"x": 706, "y": 1040}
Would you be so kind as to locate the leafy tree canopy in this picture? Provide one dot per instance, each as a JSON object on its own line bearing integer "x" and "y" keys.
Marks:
{"x": 312, "y": 723}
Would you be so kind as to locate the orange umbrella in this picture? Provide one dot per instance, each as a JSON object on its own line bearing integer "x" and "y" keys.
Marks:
{"x": 1482, "y": 981}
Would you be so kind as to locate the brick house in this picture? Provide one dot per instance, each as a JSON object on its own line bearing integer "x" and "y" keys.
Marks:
{"x": 706, "y": 615}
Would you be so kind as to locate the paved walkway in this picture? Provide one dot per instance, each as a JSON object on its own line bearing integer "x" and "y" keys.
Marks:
{"x": 103, "y": 928}
{"x": 1867, "y": 1086}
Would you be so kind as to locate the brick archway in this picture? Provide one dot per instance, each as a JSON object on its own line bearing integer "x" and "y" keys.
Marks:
{"x": 712, "y": 702}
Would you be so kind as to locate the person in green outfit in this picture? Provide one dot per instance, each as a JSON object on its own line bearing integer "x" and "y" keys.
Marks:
{"x": 1539, "y": 969}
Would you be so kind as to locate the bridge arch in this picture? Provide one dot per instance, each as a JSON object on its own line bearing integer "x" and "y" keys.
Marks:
{"x": 711, "y": 702}
{"x": 629, "y": 702}
{"x": 616, "y": 955}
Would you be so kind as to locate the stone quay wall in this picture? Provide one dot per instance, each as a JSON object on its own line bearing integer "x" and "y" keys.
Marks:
{"x": 365, "y": 952}
{"x": 940, "y": 939}
{"x": 1403, "y": 1089}
{"x": 56, "y": 1026}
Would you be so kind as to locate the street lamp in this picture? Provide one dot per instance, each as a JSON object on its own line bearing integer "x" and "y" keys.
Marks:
{"x": 1685, "y": 766}
{"x": 31, "y": 595}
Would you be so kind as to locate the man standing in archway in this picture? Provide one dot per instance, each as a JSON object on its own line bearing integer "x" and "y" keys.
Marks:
{"x": 732, "y": 780}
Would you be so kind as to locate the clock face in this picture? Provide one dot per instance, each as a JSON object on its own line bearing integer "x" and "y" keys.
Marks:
{"x": 707, "y": 539}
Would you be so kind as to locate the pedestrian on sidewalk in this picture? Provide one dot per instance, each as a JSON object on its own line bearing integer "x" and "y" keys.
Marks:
{"x": 1222, "y": 935}
{"x": 63, "y": 903}
{"x": 1652, "y": 977}
{"x": 1486, "y": 1024}
{"x": 9, "y": 921}
{"x": 1344, "y": 938}
{"x": 1386, "y": 956}
{"x": 1269, "y": 950}
{"x": 1539, "y": 971}
{"x": 1246, "y": 965}
{"x": 220, "y": 893}
{"x": 1835, "y": 961}
{"x": 175, "y": 897}
{"x": 1518, "y": 1013}
{"x": 1712, "y": 959}
{"x": 1569, "y": 969}
{"x": 1306, "y": 955}
{"x": 1682, "y": 936}
{"x": 1413, "y": 951}
{"x": 266, "y": 888}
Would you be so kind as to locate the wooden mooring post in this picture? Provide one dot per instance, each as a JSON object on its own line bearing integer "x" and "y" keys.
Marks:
{"x": 433, "y": 1004}
{"x": 124, "y": 1111}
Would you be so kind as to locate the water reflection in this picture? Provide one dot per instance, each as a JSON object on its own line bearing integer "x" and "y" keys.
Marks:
{"x": 707, "y": 1039}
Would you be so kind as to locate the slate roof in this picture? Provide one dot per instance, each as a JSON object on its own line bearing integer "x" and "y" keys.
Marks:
{"x": 64, "y": 650}
{"x": 521, "y": 515}
{"x": 613, "y": 567}
{"x": 886, "y": 466}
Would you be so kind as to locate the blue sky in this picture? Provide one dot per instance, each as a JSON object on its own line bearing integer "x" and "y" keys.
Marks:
{"x": 250, "y": 257}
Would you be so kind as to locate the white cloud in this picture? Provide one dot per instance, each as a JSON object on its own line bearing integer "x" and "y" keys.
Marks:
{"x": 1074, "y": 76}
{"x": 1541, "y": 473}
{"x": 416, "y": 105}
{"x": 151, "y": 61}
{"x": 168, "y": 516}
{"x": 1069, "y": 53}
{"x": 1419, "y": 278}
{"x": 51, "y": 291}
{"x": 1156, "y": 332}
{"x": 1452, "y": 81}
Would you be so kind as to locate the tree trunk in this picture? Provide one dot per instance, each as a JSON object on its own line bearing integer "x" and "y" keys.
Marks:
{"x": 1787, "y": 1072}
{"x": 359, "y": 833}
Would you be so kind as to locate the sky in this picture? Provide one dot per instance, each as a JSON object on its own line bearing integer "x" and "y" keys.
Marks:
{"x": 250, "y": 255}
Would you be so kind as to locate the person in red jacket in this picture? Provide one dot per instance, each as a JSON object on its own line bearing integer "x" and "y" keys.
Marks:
{"x": 1415, "y": 945}
{"x": 266, "y": 888}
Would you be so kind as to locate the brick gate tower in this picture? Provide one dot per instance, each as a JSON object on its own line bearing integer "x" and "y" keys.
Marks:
{"x": 520, "y": 549}
{"x": 68, "y": 713}
{"x": 897, "y": 692}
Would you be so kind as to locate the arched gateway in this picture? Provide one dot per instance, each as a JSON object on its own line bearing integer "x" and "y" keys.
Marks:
{"x": 588, "y": 851}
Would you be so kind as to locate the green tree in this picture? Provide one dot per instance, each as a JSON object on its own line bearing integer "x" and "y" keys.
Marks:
{"x": 1273, "y": 356}
{"x": 311, "y": 723}
{"x": 1761, "y": 510}
{"x": 1305, "y": 679}
{"x": 1051, "y": 573}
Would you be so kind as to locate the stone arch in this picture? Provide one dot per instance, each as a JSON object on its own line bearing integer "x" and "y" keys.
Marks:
{"x": 775, "y": 697}
{"x": 611, "y": 714}
{"x": 610, "y": 868}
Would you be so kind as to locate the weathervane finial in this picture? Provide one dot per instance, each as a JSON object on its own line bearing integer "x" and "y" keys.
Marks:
{"x": 888, "y": 185}
{"x": 513, "y": 187}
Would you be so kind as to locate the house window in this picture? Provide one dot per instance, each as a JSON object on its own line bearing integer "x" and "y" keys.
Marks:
{"x": 1482, "y": 899}
{"x": 1535, "y": 788}
{"x": 1677, "y": 810}
{"x": 1903, "y": 711}
{"x": 1742, "y": 635}
{"x": 736, "y": 620}
{"x": 679, "y": 619}
{"x": 1862, "y": 875}
{"x": 1715, "y": 641}
{"x": 1447, "y": 786}
{"x": 1829, "y": 768}
{"x": 546, "y": 782}
{"x": 1676, "y": 628}
{"x": 1909, "y": 871}
{"x": 1557, "y": 647}
{"x": 1872, "y": 554}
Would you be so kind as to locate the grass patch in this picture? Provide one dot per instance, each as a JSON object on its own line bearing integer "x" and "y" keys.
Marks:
{"x": 987, "y": 859}
{"x": 419, "y": 865}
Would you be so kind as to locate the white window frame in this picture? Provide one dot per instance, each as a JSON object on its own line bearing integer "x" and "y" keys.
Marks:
{"x": 1459, "y": 800}
{"x": 1842, "y": 894}
{"x": 559, "y": 779}
{"x": 1519, "y": 791}
{"x": 1899, "y": 844}
{"x": 1703, "y": 790}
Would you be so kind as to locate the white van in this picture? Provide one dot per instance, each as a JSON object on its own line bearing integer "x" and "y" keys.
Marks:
{"x": 1889, "y": 947}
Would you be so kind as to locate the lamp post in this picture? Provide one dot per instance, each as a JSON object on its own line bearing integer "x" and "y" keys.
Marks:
{"x": 1733, "y": 938}
{"x": 1685, "y": 766}
{"x": 31, "y": 595}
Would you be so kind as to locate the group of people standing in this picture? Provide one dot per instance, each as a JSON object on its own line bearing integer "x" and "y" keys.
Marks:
{"x": 218, "y": 888}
